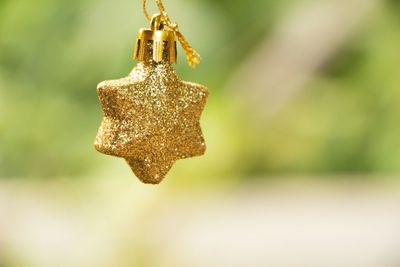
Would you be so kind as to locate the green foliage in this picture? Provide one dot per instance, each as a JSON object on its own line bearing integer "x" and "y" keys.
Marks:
{"x": 53, "y": 53}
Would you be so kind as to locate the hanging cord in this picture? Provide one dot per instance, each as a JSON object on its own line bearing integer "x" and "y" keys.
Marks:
{"x": 193, "y": 58}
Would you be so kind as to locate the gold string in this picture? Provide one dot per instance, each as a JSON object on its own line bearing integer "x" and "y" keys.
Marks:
{"x": 145, "y": 10}
{"x": 193, "y": 58}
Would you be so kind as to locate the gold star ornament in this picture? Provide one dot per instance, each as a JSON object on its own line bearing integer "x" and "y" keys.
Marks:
{"x": 151, "y": 117}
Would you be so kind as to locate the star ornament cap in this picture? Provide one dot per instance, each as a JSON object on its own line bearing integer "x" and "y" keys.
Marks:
{"x": 151, "y": 117}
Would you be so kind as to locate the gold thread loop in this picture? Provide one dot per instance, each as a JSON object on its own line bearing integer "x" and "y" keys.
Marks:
{"x": 146, "y": 14}
{"x": 192, "y": 57}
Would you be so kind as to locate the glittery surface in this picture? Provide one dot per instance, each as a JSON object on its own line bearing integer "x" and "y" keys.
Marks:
{"x": 151, "y": 118}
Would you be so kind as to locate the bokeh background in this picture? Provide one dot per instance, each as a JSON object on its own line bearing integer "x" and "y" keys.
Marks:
{"x": 302, "y": 129}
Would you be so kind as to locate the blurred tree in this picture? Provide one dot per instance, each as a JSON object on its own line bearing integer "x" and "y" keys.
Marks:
{"x": 53, "y": 53}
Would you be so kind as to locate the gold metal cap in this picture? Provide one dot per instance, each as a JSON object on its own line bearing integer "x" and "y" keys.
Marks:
{"x": 156, "y": 43}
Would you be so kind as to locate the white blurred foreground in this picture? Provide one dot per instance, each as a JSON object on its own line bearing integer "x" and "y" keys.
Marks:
{"x": 119, "y": 222}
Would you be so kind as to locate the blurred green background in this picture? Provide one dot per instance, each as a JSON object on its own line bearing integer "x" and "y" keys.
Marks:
{"x": 296, "y": 86}
{"x": 301, "y": 126}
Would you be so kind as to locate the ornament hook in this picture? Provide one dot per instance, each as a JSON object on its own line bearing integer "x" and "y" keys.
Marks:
{"x": 193, "y": 58}
{"x": 156, "y": 23}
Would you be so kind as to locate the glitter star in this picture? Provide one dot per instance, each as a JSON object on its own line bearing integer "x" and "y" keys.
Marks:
{"x": 151, "y": 118}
